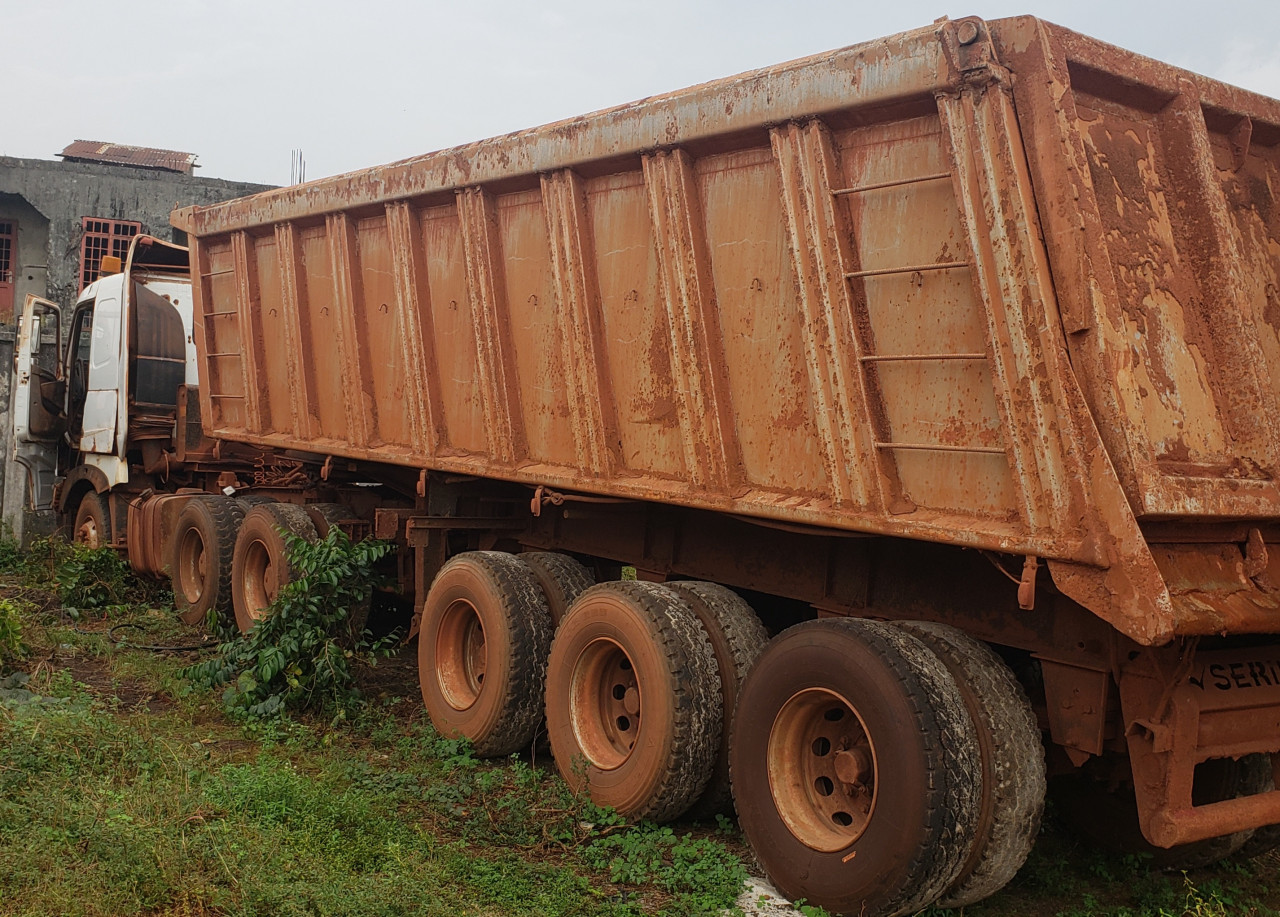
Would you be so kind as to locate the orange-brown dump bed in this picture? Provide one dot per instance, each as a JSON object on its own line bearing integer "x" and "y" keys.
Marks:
{"x": 995, "y": 285}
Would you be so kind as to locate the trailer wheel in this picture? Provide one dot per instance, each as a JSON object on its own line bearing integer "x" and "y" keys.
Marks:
{"x": 855, "y": 768}
{"x": 561, "y": 577}
{"x": 200, "y": 559}
{"x": 633, "y": 700}
{"x": 737, "y": 639}
{"x": 1108, "y": 815}
{"x": 325, "y": 516}
{"x": 92, "y": 527}
{"x": 260, "y": 564}
{"x": 1013, "y": 769}
{"x": 482, "y": 651}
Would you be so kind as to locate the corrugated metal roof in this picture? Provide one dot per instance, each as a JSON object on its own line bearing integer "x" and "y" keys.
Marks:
{"x": 120, "y": 154}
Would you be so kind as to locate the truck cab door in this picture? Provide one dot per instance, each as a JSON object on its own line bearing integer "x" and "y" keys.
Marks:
{"x": 96, "y": 374}
{"x": 38, "y": 399}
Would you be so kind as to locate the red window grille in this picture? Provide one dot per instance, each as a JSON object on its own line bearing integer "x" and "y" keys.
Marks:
{"x": 103, "y": 237}
{"x": 7, "y": 268}
{"x": 6, "y": 251}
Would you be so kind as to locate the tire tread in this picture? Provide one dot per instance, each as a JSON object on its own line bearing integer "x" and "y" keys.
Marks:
{"x": 1015, "y": 774}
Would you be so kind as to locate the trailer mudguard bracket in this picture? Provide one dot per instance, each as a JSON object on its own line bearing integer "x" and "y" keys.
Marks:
{"x": 1182, "y": 707}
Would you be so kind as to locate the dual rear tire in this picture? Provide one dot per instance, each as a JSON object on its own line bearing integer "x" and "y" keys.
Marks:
{"x": 877, "y": 768}
{"x": 638, "y": 683}
{"x": 854, "y": 768}
{"x": 228, "y": 558}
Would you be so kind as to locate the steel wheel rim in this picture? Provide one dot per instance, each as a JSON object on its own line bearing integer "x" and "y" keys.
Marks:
{"x": 462, "y": 655}
{"x": 88, "y": 534}
{"x": 260, "y": 586}
{"x": 822, "y": 770}
{"x": 604, "y": 704}
{"x": 193, "y": 566}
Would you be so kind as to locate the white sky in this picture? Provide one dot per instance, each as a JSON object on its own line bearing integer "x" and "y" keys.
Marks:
{"x": 241, "y": 83}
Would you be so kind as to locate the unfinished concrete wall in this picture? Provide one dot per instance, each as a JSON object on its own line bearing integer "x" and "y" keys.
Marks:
{"x": 66, "y": 192}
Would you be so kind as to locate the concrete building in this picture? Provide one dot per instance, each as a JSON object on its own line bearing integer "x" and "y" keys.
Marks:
{"x": 57, "y": 220}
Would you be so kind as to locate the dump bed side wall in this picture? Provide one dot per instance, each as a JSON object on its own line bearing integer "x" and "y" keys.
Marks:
{"x": 783, "y": 317}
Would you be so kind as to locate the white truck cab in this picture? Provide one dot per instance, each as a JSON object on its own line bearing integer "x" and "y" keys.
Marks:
{"x": 128, "y": 349}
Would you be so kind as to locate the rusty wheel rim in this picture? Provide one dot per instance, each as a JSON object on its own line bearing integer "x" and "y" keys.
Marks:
{"x": 88, "y": 534}
{"x": 260, "y": 580}
{"x": 822, "y": 770}
{"x": 193, "y": 566}
{"x": 604, "y": 704}
{"x": 462, "y": 656}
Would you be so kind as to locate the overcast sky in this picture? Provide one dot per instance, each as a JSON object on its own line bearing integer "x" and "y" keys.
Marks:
{"x": 241, "y": 83}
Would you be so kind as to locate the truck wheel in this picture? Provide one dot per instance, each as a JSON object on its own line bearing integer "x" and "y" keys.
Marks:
{"x": 1013, "y": 770}
{"x": 200, "y": 559}
{"x": 737, "y": 639}
{"x": 855, "y": 768}
{"x": 92, "y": 527}
{"x": 561, "y": 577}
{"x": 1108, "y": 815}
{"x": 633, "y": 700}
{"x": 326, "y": 515}
{"x": 260, "y": 564}
{"x": 482, "y": 651}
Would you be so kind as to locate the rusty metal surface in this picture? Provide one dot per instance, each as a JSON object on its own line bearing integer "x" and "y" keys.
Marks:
{"x": 819, "y": 293}
{"x": 1182, "y": 707}
{"x": 121, "y": 154}
{"x": 150, "y": 525}
{"x": 1156, "y": 187}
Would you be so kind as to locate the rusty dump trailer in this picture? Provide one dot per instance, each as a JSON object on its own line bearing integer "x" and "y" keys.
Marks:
{"x": 976, "y": 325}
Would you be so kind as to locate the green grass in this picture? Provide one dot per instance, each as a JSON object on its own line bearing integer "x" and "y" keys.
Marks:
{"x": 129, "y": 791}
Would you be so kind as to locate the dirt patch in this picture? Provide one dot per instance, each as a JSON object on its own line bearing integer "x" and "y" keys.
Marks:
{"x": 395, "y": 676}
{"x": 95, "y": 673}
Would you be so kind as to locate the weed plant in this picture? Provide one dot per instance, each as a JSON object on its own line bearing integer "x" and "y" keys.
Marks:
{"x": 300, "y": 656}
{"x": 12, "y": 646}
{"x": 83, "y": 579}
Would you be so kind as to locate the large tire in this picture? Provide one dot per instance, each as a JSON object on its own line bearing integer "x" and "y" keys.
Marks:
{"x": 92, "y": 526}
{"x": 260, "y": 565}
{"x": 737, "y": 639}
{"x": 201, "y": 549}
{"x": 633, "y": 700}
{"x": 561, "y": 577}
{"x": 855, "y": 768}
{"x": 1013, "y": 769}
{"x": 325, "y": 516}
{"x": 482, "y": 651}
{"x": 1108, "y": 815}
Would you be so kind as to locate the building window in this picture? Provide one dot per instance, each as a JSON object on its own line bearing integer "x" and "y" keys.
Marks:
{"x": 103, "y": 237}
{"x": 8, "y": 235}
{"x": 6, "y": 251}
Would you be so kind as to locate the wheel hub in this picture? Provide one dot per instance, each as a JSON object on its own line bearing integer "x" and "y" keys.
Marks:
{"x": 262, "y": 581}
{"x": 193, "y": 566}
{"x": 88, "y": 534}
{"x": 605, "y": 704}
{"x": 461, "y": 655}
{"x": 822, "y": 770}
